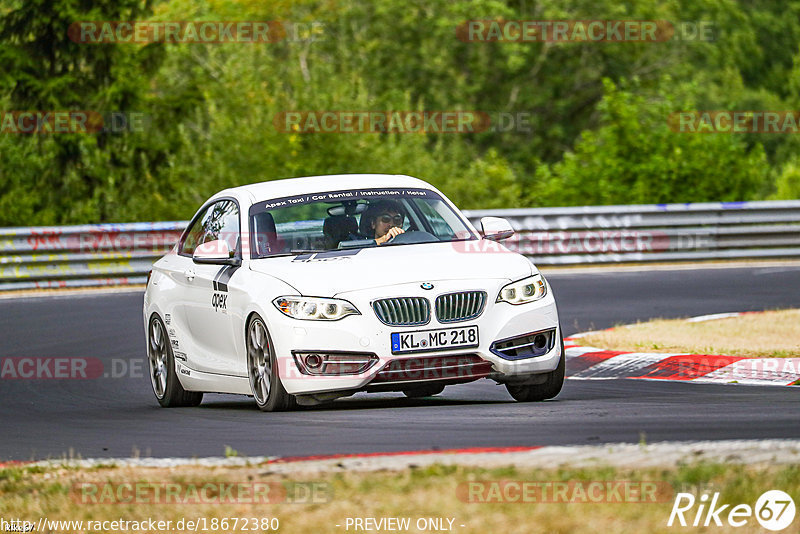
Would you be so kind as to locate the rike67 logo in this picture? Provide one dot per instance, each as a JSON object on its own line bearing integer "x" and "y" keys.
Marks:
{"x": 774, "y": 510}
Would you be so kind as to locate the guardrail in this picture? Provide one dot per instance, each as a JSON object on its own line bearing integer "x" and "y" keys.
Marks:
{"x": 121, "y": 254}
{"x": 85, "y": 255}
{"x": 654, "y": 232}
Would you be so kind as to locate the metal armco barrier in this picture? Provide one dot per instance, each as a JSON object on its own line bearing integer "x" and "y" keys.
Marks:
{"x": 121, "y": 254}
{"x": 85, "y": 255}
{"x": 653, "y": 232}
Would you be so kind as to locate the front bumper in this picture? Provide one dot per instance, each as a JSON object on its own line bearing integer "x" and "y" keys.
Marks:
{"x": 365, "y": 334}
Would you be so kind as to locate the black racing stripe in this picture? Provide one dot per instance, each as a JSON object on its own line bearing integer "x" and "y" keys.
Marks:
{"x": 216, "y": 277}
{"x": 343, "y": 252}
{"x": 224, "y": 276}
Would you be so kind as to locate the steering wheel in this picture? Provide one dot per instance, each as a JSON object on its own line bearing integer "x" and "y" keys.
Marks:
{"x": 413, "y": 236}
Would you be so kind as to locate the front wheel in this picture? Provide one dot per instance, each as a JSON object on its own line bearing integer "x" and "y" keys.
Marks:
{"x": 539, "y": 392}
{"x": 262, "y": 370}
{"x": 166, "y": 386}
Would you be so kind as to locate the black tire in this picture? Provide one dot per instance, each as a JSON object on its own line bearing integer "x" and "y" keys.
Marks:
{"x": 163, "y": 375}
{"x": 423, "y": 391}
{"x": 262, "y": 370}
{"x": 539, "y": 392}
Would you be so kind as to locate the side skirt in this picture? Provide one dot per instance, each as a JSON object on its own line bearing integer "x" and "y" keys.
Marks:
{"x": 192, "y": 380}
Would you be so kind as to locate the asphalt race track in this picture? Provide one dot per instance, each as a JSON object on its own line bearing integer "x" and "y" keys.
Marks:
{"x": 119, "y": 417}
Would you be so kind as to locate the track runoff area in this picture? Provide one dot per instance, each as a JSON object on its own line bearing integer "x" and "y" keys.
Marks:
{"x": 665, "y": 485}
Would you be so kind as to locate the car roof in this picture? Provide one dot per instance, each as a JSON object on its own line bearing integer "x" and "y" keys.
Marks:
{"x": 317, "y": 184}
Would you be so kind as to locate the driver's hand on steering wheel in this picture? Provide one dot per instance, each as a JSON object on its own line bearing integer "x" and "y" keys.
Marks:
{"x": 394, "y": 231}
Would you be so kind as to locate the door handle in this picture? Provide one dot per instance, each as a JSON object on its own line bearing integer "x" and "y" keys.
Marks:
{"x": 189, "y": 274}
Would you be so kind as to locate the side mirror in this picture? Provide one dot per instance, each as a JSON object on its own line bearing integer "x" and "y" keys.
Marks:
{"x": 496, "y": 228}
{"x": 214, "y": 253}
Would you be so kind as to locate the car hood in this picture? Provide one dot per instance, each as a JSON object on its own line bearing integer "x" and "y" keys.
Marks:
{"x": 327, "y": 274}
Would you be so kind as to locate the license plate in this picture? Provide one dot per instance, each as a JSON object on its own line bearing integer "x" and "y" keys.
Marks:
{"x": 430, "y": 340}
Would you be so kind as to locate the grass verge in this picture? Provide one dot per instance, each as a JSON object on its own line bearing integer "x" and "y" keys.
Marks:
{"x": 771, "y": 334}
{"x": 430, "y": 492}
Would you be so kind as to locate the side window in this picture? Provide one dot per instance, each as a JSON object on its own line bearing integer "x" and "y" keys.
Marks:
{"x": 219, "y": 221}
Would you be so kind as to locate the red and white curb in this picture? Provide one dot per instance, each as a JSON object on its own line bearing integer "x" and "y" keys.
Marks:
{"x": 589, "y": 363}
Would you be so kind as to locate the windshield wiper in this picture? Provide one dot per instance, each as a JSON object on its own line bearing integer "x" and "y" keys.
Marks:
{"x": 291, "y": 253}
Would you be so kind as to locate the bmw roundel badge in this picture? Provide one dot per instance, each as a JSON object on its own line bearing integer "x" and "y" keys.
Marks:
{"x": 426, "y": 285}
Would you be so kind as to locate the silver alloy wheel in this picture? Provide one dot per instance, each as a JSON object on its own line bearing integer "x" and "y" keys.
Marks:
{"x": 259, "y": 362}
{"x": 157, "y": 356}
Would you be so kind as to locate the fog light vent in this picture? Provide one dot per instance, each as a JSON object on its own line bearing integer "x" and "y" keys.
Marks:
{"x": 333, "y": 364}
{"x": 525, "y": 346}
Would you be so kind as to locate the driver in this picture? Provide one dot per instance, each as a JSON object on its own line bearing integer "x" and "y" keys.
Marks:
{"x": 385, "y": 219}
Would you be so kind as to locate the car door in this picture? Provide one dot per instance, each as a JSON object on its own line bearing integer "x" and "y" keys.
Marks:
{"x": 205, "y": 291}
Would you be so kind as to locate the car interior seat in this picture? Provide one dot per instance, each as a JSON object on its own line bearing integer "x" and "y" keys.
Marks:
{"x": 338, "y": 228}
{"x": 265, "y": 237}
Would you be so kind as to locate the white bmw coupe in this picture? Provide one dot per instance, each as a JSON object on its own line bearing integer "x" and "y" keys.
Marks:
{"x": 305, "y": 290}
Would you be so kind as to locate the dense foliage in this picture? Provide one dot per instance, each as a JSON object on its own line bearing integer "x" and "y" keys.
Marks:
{"x": 597, "y": 113}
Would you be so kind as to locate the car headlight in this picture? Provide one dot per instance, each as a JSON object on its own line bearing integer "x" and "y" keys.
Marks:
{"x": 526, "y": 290}
{"x": 315, "y": 309}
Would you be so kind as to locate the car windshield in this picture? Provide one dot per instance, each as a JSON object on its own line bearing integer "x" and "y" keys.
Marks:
{"x": 352, "y": 219}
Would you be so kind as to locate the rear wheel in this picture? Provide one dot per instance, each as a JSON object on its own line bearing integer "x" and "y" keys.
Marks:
{"x": 423, "y": 391}
{"x": 262, "y": 370}
{"x": 166, "y": 386}
{"x": 539, "y": 392}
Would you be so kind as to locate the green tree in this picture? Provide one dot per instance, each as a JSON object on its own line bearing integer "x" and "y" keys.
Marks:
{"x": 593, "y": 138}
{"x": 787, "y": 182}
{"x": 634, "y": 158}
{"x": 86, "y": 177}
